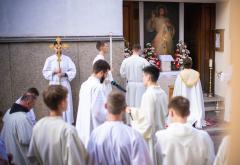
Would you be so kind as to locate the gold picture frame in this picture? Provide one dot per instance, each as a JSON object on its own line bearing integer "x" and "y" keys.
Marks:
{"x": 219, "y": 40}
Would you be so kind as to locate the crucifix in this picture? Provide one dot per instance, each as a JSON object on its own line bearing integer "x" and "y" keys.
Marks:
{"x": 58, "y": 46}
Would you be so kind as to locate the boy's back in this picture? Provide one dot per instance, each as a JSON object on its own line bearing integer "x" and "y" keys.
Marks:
{"x": 184, "y": 145}
{"x": 56, "y": 142}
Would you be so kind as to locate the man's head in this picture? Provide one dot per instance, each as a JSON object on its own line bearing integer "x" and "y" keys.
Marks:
{"x": 187, "y": 63}
{"x": 55, "y": 97}
{"x": 100, "y": 69}
{"x": 116, "y": 103}
{"x": 150, "y": 75}
{"x": 102, "y": 46}
{"x": 136, "y": 49}
{"x": 33, "y": 91}
{"x": 162, "y": 11}
{"x": 57, "y": 47}
{"x": 178, "y": 109}
{"x": 28, "y": 100}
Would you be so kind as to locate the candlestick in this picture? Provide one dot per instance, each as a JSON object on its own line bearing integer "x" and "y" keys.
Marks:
{"x": 210, "y": 92}
{"x": 210, "y": 63}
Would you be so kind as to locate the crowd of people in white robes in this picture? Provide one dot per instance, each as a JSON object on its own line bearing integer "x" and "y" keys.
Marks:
{"x": 144, "y": 128}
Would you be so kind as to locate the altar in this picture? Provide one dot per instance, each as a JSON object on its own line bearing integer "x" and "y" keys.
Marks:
{"x": 166, "y": 80}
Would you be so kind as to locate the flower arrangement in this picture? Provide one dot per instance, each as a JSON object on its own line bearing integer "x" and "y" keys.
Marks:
{"x": 127, "y": 50}
{"x": 151, "y": 56}
{"x": 181, "y": 53}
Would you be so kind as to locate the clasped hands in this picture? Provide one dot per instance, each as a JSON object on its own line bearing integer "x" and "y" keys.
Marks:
{"x": 59, "y": 73}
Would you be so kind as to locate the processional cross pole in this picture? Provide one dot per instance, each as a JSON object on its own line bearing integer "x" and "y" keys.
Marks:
{"x": 58, "y": 47}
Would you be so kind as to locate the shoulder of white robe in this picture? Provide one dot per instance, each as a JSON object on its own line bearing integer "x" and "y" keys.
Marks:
{"x": 194, "y": 81}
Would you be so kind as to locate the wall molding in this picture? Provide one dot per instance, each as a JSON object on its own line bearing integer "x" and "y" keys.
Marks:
{"x": 52, "y": 38}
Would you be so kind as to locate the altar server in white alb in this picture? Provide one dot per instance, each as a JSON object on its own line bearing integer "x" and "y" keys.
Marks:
{"x": 31, "y": 115}
{"x": 181, "y": 143}
{"x": 114, "y": 142}
{"x": 222, "y": 157}
{"x": 131, "y": 69}
{"x": 188, "y": 84}
{"x": 53, "y": 140}
{"x": 151, "y": 116}
{"x": 92, "y": 99}
{"x": 102, "y": 48}
{"x": 62, "y": 75}
{"x": 17, "y": 129}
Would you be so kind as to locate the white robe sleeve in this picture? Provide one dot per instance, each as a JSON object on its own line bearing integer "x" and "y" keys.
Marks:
{"x": 143, "y": 117}
{"x": 71, "y": 72}
{"x": 210, "y": 149}
{"x": 140, "y": 154}
{"x": 177, "y": 87}
{"x": 31, "y": 116}
{"x": 158, "y": 153}
{"x": 73, "y": 150}
{"x": 222, "y": 157}
{"x": 200, "y": 101}
{"x": 24, "y": 132}
{"x": 33, "y": 154}
{"x": 98, "y": 105}
{"x": 123, "y": 69}
{"x": 47, "y": 70}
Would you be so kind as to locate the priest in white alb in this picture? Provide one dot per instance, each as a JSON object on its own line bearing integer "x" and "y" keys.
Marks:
{"x": 61, "y": 74}
{"x": 188, "y": 84}
{"x": 53, "y": 140}
{"x": 92, "y": 99}
{"x": 181, "y": 143}
{"x": 151, "y": 115}
{"x": 114, "y": 142}
{"x": 131, "y": 69}
{"x": 31, "y": 115}
{"x": 17, "y": 129}
{"x": 102, "y": 48}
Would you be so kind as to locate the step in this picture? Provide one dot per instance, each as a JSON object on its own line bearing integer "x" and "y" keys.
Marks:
{"x": 213, "y": 108}
{"x": 216, "y": 130}
{"x": 216, "y": 98}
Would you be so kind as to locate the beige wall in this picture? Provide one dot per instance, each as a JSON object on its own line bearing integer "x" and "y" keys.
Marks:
{"x": 222, "y": 59}
{"x": 21, "y": 67}
{"x": 235, "y": 40}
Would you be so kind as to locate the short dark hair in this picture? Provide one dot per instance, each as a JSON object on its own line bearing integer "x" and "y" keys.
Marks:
{"x": 100, "y": 44}
{"x": 136, "y": 47}
{"x": 100, "y": 65}
{"x": 116, "y": 103}
{"x": 28, "y": 97}
{"x": 53, "y": 96}
{"x": 187, "y": 63}
{"x": 153, "y": 71}
{"x": 180, "y": 105}
{"x": 33, "y": 91}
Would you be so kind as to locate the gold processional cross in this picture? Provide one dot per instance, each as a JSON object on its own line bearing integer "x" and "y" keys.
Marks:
{"x": 58, "y": 47}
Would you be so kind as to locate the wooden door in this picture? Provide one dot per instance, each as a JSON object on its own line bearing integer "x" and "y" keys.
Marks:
{"x": 199, "y": 25}
{"x": 131, "y": 22}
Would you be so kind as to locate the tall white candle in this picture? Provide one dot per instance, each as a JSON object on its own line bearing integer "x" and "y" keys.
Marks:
{"x": 110, "y": 38}
{"x": 210, "y": 63}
